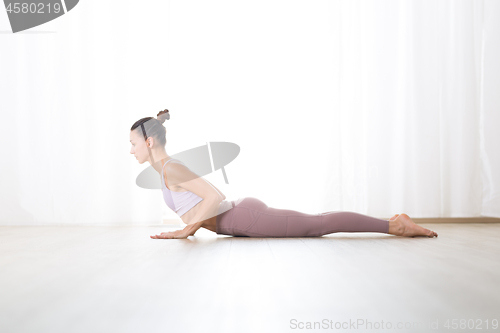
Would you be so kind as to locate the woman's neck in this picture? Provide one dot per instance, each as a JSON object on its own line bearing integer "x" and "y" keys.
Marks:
{"x": 160, "y": 159}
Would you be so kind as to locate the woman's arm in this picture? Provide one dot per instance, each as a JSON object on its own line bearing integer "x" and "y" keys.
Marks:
{"x": 180, "y": 175}
{"x": 221, "y": 194}
{"x": 218, "y": 191}
{"x": 207, "y": 209}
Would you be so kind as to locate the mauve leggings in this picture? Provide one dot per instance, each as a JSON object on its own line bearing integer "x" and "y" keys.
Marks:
{"x": 253, "y": 218}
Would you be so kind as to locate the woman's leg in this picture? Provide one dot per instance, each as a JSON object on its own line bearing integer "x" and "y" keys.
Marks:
{"x": 253, "y": 218}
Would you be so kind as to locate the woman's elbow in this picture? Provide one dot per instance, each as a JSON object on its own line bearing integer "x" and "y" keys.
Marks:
{"x": 217, "y": 198}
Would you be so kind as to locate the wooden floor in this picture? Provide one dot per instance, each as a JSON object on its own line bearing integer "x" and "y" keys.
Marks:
{"x": 117, "y": 279}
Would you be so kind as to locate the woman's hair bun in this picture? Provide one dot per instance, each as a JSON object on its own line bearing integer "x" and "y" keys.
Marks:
{"x": 162, "y": 116}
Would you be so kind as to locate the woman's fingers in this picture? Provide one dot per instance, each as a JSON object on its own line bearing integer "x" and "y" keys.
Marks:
{"x": 162, "y": 236}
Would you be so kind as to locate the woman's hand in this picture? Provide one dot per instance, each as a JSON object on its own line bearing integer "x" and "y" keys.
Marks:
{"x": 177, "y": 234}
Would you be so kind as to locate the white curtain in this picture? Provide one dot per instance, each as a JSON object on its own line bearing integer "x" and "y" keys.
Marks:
{"x": 377, "y": 107}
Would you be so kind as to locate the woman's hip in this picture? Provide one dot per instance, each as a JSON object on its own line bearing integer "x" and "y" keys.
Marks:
{"x": 241, "y": 217}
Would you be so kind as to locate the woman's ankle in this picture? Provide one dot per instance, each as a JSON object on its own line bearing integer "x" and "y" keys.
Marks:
{"x": 395, "y": 228}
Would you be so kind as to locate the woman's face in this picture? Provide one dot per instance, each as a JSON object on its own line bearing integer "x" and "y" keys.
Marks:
{"x": 139, "y": 148}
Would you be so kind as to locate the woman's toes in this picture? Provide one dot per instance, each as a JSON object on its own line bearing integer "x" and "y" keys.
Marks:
{"x": 424, "y": 232}
{"x": 408, "y": 228}
{"x": 430, "y": 233}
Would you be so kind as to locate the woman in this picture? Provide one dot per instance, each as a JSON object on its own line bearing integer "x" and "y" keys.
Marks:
{"x": 202, "y": 205}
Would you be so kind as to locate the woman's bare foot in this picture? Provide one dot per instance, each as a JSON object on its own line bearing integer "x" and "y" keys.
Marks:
{"x": 402, "y": 225}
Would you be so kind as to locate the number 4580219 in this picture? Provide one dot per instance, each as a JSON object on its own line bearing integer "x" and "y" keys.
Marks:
{"x": 33, "y": 8}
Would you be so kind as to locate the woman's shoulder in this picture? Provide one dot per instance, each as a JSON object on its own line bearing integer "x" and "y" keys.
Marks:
{"x": 178, "y": 173}
{"x": 168, "y": 171}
